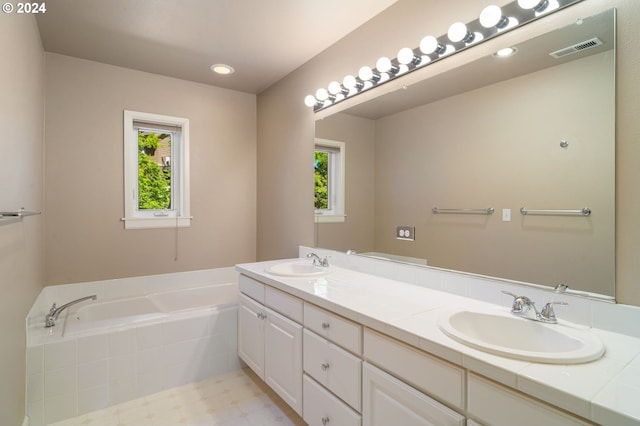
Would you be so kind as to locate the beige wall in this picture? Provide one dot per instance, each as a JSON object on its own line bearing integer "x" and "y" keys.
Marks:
{"x": 286, "y": 126}
{"x": 499, "y": 146}
{"x": 85, "y": 238}
{"x": 21, "y": 185}
{"x": 357, "y": 231}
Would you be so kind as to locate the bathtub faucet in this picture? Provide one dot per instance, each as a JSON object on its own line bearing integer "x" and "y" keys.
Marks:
{"x": 54, "y": 312}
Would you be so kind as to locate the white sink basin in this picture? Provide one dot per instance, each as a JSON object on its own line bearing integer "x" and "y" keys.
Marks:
{"x": 507, "y": 335}
{"x": 299, "y": 269}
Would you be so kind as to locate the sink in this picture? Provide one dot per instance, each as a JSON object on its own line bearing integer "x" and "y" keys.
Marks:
{"x": 299, "y": 269}
{"x": 502, "y": 333}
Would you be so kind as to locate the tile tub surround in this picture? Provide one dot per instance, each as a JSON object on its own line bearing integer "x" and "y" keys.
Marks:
{"x": 74, "y": 375}
{"x": 404, "y": 302}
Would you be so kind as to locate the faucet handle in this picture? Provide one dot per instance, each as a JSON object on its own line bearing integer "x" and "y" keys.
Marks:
{"x": 53, "y": 309}
{"x": 519, "y": 302}
{"x": 548, "y": 315}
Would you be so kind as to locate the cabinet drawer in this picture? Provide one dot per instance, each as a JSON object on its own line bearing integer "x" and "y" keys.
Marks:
{"x": 333, "y": 327}
{"x": 495, "y": 404}
{"x": 252, "y": 288}
{"x": 429, "y": 374}
{"x": 284, "y": 303}
{"x": 322, "y": 408}
{"x": 333, "y": 367}
{"x": 388, "y": 401}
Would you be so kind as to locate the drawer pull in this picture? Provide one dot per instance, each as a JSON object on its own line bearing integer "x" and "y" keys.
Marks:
{"x": 261, "y": 315}
{"x": 325, "y": 366}
{"x": 325, "y": 325}
{"x": 325, "y": 420}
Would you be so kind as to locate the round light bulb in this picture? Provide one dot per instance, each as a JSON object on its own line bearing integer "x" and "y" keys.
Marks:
{"x": 365, "y": 73}
{"x": 322, "y": 94}
{"x": 491, "y": 16}
{"x": 406, "y": 56}
{"x": 428, "y": 45}
{"x": 350, "y": 82}
{"x": 533, "y": 4}
{"x": 384, "y": 64}
{"x": 310, "y": 100}
{"x": 335, "y": 88}
{"x": 457, "y": 32}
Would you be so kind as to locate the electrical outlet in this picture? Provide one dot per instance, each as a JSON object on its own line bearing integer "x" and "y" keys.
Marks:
{"x": 506, "y": 215}
{"x": 407, "y": 233}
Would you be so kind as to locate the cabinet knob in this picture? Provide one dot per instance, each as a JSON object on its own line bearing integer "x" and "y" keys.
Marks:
{"x": 261, "y": 315}
{"x": 325, "y": 325}
{"x": 325, "y": 366}
{"x": 325, "y": 420}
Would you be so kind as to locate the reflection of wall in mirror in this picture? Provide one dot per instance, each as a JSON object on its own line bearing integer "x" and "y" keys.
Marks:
{"x": 497, "y": 146}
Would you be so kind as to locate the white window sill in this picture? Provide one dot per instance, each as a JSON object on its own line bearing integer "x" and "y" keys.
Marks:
{"x": 330, "y": 218}
{"x": 156, "y": 222}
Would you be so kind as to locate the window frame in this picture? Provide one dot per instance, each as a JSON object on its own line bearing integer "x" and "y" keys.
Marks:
{"x": 336, "y": 178}
{"x": 179, "y": 215}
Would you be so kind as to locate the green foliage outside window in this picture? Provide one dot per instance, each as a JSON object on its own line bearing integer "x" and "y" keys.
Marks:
{"x": 154, "y": 182}
{"x": 321, "y": 168}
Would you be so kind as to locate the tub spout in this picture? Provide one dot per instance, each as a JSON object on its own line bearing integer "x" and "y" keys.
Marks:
{"x": 54, "y": 312}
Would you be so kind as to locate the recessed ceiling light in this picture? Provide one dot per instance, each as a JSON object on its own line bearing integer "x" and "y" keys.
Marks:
{"x": 223, "y": 69}
{"x": 507, "y": 51}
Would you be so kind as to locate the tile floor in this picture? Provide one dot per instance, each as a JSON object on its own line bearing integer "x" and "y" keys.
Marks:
{"x": 238, "y": 398}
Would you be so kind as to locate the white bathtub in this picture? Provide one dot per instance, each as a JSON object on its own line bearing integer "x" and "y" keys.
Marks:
{"x": 100, "y": 315}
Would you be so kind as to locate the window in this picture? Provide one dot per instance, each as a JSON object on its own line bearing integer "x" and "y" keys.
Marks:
{"x": 156, "y": 171}
{"x": 329, "y": 193}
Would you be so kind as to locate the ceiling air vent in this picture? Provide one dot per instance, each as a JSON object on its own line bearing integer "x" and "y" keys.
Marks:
{"x": 579, "y": 47}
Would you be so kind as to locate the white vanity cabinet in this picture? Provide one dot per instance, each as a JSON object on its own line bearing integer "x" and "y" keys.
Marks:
{"x": 494, "y": 404}
{"x": 389, "y": 401}
{"x": 270, "y": 342}
{"x": 402, "y": 382}
{"x": 332, "y": 349}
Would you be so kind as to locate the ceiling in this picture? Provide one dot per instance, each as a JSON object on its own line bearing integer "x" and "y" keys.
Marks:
{"x": 264, "y": 40}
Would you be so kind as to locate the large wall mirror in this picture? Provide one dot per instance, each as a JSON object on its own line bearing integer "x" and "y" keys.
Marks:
{"x": 531, "y": 130}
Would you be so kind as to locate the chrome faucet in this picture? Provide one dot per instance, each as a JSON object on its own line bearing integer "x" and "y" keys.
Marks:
{"x": 317, "y": 261}
{"x": 54, "y": 312}
{"x": 526, "y": 308}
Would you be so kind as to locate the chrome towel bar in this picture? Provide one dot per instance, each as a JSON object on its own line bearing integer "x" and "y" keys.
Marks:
{"x": 15, "y": 216}
{"x": 586, "y": 211}
{"x": 488, "y": 210}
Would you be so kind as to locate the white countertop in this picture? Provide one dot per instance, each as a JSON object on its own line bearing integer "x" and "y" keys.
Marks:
{"x": 606, "y": 391}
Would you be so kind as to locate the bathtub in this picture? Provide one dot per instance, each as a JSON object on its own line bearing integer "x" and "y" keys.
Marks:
{"x": 120, "y": 348}
{"x": 155, "y": 307}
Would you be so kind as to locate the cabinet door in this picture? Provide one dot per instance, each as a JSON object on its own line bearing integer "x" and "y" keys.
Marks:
{"x": 251, "y": 334}
{"x": 388, "y": 401}
{"x": 283, "y": 358}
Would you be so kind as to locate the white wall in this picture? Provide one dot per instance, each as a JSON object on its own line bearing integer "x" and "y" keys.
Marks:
{"x": 21, "y": 185}
{"x": 85, "y": 239}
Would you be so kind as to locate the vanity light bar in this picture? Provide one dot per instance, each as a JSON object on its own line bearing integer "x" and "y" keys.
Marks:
{"x": 493, "y": 21}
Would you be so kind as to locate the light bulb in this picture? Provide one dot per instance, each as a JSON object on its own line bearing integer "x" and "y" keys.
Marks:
{"x": 536, "y": 5}
{"x": 429, "y": 45}
{"x": 491, "y": 16}
{"x": 350, "y": 82}
{"x": 406, "y": 56}
{"x": 335, "y": 88}
{"x": 322, "y": 94}
{"x": 384, "y": 64}
{"x": 366, "y": 74}
{"x": 507, "y": 51}
{"x": 310, "y": 100}
{"x": 458, "y": 32}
